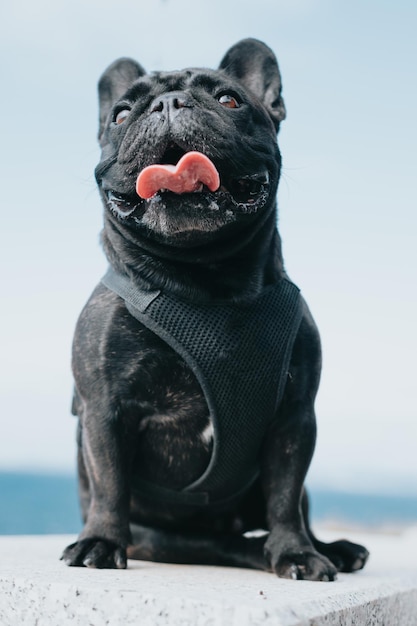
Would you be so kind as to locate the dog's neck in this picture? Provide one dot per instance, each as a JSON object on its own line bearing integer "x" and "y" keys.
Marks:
{"x": 223, "y": 271}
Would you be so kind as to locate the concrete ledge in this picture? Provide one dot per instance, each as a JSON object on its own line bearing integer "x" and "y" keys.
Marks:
{"x": 37, "y": 589}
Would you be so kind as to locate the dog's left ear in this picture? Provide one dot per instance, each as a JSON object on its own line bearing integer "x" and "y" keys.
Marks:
{"x": 256, "y": 67}
{"x": 114, "y": 82}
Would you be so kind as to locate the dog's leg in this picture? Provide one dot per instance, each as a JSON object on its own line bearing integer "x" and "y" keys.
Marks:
{"x": 103, "y": 541}
{"x": 288, "y": 449}
{"x": 289, "y": 549}
{"x": 345, "y": 555}
{"x": 231, "y": 550}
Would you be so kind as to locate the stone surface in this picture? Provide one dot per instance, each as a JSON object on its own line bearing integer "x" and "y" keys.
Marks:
{"x": 38, "y": 589}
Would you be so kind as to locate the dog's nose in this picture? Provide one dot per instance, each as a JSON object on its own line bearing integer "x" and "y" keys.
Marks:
{"x": 171, "y": 103}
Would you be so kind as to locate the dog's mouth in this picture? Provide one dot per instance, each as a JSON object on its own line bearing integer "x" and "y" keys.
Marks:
{"x": 190, "y": 176}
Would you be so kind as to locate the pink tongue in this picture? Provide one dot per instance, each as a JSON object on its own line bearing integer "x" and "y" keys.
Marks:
{"x": 192, "y": 171}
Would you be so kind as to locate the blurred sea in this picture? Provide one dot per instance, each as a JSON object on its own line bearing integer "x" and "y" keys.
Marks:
{"x": 47, "y": 504}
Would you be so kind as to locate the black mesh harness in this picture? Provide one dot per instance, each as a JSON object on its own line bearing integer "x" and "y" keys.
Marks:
{"x": 240, "y": 355}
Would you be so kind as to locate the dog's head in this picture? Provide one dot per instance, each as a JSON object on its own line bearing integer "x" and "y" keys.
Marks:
{"x": 190, "y": 157}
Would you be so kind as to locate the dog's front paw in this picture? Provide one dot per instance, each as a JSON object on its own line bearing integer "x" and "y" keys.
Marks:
{"x": 298, "y": 562}
{"x": 95, "y": 553}
{"x": 304, "y": 566}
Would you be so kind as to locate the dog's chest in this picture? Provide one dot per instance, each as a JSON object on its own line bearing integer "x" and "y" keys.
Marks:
{"x": 174, "y": 432}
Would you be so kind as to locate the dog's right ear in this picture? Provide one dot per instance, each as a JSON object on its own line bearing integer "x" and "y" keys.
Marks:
{"x": 117, "y": 79}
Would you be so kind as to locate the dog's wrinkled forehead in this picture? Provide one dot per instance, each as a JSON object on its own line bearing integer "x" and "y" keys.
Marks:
{"x": 194, "y": 77}
{"x": 188, "y": 80}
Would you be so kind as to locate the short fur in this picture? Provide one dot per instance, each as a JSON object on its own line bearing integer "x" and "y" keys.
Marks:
{"x": 141, "y": 410}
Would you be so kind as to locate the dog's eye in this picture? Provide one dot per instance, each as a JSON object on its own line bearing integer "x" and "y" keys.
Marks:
{"x": 229, "y": 101}
{"x": 121, "y": 116}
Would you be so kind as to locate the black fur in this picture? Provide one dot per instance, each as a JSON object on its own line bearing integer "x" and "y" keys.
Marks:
{"x": 141, "y": 411}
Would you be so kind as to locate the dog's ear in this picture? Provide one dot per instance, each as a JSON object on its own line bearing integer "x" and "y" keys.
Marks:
{"x": 113, "y": 83}
{"x": 256, "y": 67}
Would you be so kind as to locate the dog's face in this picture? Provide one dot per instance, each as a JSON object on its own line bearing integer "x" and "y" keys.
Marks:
{"x": 227, "y": 119}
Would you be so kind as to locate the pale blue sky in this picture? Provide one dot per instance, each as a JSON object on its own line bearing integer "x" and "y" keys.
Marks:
{"x": 347, "y": 200}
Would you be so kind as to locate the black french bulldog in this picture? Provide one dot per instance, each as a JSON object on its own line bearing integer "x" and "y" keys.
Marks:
{"x": 196, "y": 361}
